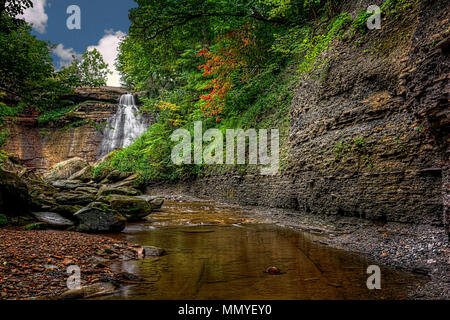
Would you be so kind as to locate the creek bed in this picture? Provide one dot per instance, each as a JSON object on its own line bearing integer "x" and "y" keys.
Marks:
{"x": 216, "y": 252}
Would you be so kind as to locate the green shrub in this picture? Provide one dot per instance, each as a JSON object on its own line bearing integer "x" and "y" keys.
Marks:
{"x": 3, "y": 220}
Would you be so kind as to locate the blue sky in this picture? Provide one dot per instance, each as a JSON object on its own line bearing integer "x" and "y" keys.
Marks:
{"x": 103, "y": 24}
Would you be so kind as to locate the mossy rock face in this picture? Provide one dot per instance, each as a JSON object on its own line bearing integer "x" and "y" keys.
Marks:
{"x": 36, "y": 226}
{"x": 3, "y": 220}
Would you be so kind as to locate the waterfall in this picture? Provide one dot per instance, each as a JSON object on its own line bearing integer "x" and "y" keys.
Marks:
{"x": 124, "y": 127}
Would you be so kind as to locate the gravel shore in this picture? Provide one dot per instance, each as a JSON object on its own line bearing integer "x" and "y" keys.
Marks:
{"x": 33, "y": 264}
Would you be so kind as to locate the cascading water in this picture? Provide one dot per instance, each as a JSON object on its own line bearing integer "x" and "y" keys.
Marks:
{"x": 124, "y": 127}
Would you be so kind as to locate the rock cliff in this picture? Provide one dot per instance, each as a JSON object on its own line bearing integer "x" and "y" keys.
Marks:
{"x": 76, "y": 134}
{"x": 369, "y": 137}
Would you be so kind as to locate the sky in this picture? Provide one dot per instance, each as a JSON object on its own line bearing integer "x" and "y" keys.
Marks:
{"x": 103, "y": 24}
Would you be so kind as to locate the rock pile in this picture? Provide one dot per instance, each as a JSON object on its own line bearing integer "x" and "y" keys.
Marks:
{"x": 68, "y": 196}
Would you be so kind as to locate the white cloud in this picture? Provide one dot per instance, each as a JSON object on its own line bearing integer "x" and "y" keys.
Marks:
{"x": 65, "y": 55}
{"x": 108, "y": 46}
{"x": 36, "y": 16}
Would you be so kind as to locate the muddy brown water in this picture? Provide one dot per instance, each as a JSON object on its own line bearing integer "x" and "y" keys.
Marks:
{"x": 214, "y": 252}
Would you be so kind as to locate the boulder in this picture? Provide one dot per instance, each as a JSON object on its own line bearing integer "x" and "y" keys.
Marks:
{"x": 53, "y": 219}
{"x": 84, "y": 175}
{"x": 65, "y": 169}
{"x": 125, "y": 191}
{"x": 155, "y": 202}
{"x": 98, "y": 217}
{"x": 15, "y": 199}
{"x": 132, "y": 208}
{"x": 74, "y": 198}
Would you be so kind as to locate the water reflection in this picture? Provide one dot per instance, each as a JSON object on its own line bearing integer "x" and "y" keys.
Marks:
{"x": 215, "y": 254}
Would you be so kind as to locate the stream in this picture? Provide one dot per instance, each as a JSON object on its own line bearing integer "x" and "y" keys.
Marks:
{"x": 216, "y": 252}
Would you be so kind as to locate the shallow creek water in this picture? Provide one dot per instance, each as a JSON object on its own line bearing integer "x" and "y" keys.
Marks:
{"x": 215, "y": 252}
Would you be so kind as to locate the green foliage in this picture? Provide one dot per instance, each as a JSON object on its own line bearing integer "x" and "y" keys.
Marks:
{"x": 35, "y": 227}
{"x": 3, "y": 220}
{"x": 91, "y": 71}
{"x": 314, "y": 48}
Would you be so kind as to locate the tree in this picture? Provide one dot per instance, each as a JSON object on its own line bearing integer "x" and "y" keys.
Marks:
{"x": 12, "y": 8}
{"x": 91, "y": 70}
{"x": 25, "y": 63}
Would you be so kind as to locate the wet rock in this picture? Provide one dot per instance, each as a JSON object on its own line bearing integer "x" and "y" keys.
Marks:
{"x": 132, "y": 208}
{"x": 126, "y": 191}
{"x": 74, "y": 198}
{"x": 53, "y": 219}
{"x": 95, "y": 290}
{"x": 155, "y": 202}
{"x": 153, "y": 251}
{"x": 86, "y": 174}
{"x": 65, "y": 169}
{"x": 15, "y": 199}
{"x": 98, "y": 217}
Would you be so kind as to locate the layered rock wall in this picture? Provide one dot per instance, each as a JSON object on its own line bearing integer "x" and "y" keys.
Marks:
{"x": 369, "y": 136}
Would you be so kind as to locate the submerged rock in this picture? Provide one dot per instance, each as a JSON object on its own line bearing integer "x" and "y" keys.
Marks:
{"x": 98, "y": 217}
{"x": 65, "y": 169}
{"x": 150, "y": 251}
{"x": 53, "y": 219}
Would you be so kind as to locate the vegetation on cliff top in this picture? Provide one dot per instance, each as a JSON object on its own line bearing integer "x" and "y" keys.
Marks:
{"x": 229, "y": 64}
{"x": 28, "y": 77}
